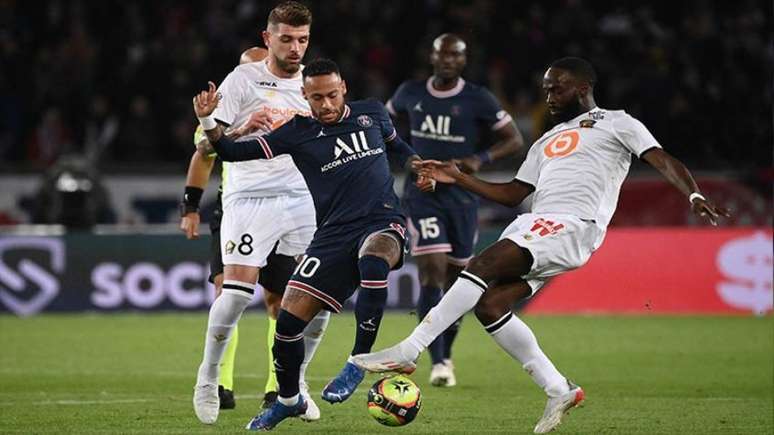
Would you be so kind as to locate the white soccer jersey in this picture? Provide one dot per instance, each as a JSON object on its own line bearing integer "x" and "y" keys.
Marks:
{"x": 251, "y": 88}
{"x": 578, "y": 166}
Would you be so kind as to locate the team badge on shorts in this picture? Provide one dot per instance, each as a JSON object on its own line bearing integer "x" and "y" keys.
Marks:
{"x": 230, "y": 247}
{"x": 365, "y": 121}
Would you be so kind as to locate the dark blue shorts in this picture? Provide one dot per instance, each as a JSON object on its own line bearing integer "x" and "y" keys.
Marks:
{"x": 329, "y": 270}
{"x": 435, "y": 229}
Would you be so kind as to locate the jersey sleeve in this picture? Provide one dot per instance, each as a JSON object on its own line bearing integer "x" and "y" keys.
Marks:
{"x": 397, "y": 103}
{"x": 491, "y": 112}
{"x": 530, "y": 168}
{"x": 232, "y": 92}
{"x": 634, "y": 136}
{"x": 262, "y": 147}
{"x": 396, "y": 146}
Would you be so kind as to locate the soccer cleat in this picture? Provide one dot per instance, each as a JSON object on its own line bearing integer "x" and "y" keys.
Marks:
{"x": 226, "y": 398}
{"x": 344, "y": 384}
{"x": 206, "y": 403}
{"x": 268, "y": 399}
{"x": 391, "y": 359}
{"x": 442, "y": 375}
{"x": 274, "y": 415}
{"x": 312, "y": 410}
{"x": 557, "y": 407}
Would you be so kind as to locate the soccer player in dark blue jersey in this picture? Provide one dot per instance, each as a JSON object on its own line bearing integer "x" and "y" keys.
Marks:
{"x": 342, "y": 154}
{"x": 446, "y": 115}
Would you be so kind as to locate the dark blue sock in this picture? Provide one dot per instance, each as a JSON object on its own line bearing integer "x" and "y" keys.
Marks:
{"x": 371, "y": 299}
{"x": 448, "y": 337}
{"x": 288, "y": 352}
{"x": 429, "y": 297}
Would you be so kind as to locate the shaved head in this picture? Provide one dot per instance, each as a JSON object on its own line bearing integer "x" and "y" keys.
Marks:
{"x": 450, "y": 40}
{"x": 254, "y": 54}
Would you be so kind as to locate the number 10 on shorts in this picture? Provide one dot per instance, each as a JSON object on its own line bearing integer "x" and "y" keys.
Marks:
{"x": 428, "y": 227}
{"x": 307, "y": 267}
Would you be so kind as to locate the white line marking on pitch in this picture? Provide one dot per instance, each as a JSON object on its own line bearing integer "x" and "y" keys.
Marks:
{"x": 81, "y": 402}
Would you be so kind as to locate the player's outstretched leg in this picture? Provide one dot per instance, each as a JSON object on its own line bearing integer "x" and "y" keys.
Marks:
{"x": 313, "y": 334}
{"x": 460, "y": 298}
{"x": 224, "y": 315}
{"x": 503, "y": 261}
{"x": 517, "y": 339}
{"x": 369, "y": 308}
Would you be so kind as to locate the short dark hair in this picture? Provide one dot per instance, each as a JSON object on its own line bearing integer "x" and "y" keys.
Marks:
{"x": 580, "y": 68}
{"x": 291, "y": 13}
{"x": 320, "y": 67}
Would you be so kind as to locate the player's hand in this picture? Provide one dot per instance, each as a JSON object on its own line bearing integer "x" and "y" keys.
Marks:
{"x": 189, "y": 224}
{"x": 442, "y": 172}
{"x": 425, "y": 184}
{"x": 206, "y": 101}
{"x": 704, "y": 208}
{"x": 469, "y": 164}
{"x": 257, "y": 121}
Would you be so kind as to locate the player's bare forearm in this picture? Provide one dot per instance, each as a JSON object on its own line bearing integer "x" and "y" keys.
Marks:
{"x": 509, "y": 143}
{"x": 679, "y": 176}
{"x": 199, "y": 170}
{"x": 205, "y": 147}
{"x": 509, "y": 194}
{"x": 672, "y": 169}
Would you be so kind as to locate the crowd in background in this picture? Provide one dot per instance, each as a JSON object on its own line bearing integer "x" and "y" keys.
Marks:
{"x": 112, "y": 81}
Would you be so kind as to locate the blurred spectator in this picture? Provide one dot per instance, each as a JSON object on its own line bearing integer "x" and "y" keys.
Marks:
{"x": 139, "y": 139}
{"x": 101, "y": 129}
{"x": 698, "y": 72}
{"x": 49, "y": 139}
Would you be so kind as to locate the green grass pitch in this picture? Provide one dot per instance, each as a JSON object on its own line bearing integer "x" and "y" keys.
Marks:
{"x": 133, "y": 373}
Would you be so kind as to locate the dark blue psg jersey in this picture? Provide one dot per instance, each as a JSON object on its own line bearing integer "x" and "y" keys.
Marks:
{"x": 344, "y": 165}
{"x": 446, "y": 125}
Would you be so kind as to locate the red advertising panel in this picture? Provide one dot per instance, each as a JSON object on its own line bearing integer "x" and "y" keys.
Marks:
{"x": 671, "y": 270}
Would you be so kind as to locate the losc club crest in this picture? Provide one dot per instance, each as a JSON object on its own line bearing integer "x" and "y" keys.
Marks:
{"x": 365, "y": 121}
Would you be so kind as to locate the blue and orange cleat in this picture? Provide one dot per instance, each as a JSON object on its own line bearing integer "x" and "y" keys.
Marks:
{"x": 344, "y": 384}
{"x": 275, "y": 414}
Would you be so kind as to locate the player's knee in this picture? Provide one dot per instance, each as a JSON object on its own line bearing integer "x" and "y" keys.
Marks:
{"x": 240, "y": 272}
{"x": 382, "y": 245}
{"x": 482, "y": 267}
{"x": 488, "y": 310}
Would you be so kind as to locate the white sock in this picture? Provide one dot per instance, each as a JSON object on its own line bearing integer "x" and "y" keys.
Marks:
{"x": 517, "y": 339}
{"x": 458, "y": 300}
{"x": 313, "y": 334}
{"x": 288, "y": 401}
{"x": 224, "y": 315}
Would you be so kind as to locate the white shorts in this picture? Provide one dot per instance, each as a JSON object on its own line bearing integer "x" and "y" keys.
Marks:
{"x": 558, "y": 243}
{"x": 252, "y": 226}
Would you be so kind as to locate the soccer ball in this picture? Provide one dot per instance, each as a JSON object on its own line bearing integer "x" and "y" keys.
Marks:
{"x": 394, "y": 400}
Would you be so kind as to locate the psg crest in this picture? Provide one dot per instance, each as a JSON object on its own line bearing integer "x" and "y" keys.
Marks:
{"x": 364, "y": 121}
